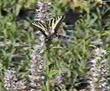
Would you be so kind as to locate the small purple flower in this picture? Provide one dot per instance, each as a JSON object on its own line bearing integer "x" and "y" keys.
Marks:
{"x": 59, "y": 80}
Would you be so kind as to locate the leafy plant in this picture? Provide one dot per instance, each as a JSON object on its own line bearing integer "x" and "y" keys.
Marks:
{"x": 65, "y": 60}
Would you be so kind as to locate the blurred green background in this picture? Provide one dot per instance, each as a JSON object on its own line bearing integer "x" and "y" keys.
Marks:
{"x": 90, "y": 20}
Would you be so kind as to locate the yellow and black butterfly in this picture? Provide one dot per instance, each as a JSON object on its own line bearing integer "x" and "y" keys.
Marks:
{"x": 50, "y": 28}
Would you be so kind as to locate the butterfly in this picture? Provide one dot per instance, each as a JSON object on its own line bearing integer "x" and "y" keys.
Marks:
{"x": 51, "y": 27}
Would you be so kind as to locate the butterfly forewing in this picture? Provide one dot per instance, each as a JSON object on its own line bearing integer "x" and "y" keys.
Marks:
{"x": 57, "y": 24}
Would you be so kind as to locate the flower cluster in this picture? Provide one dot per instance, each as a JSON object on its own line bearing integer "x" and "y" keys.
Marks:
{"x": 37, "y": 76}
{"x": 43, "y": 12}
{"x": 98, "y": 69}
{"x": 11, "y": 81}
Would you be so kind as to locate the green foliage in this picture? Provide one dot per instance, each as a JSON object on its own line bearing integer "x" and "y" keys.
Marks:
{"x": 61, "y": 6}
{"x": 18, "y": 38}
